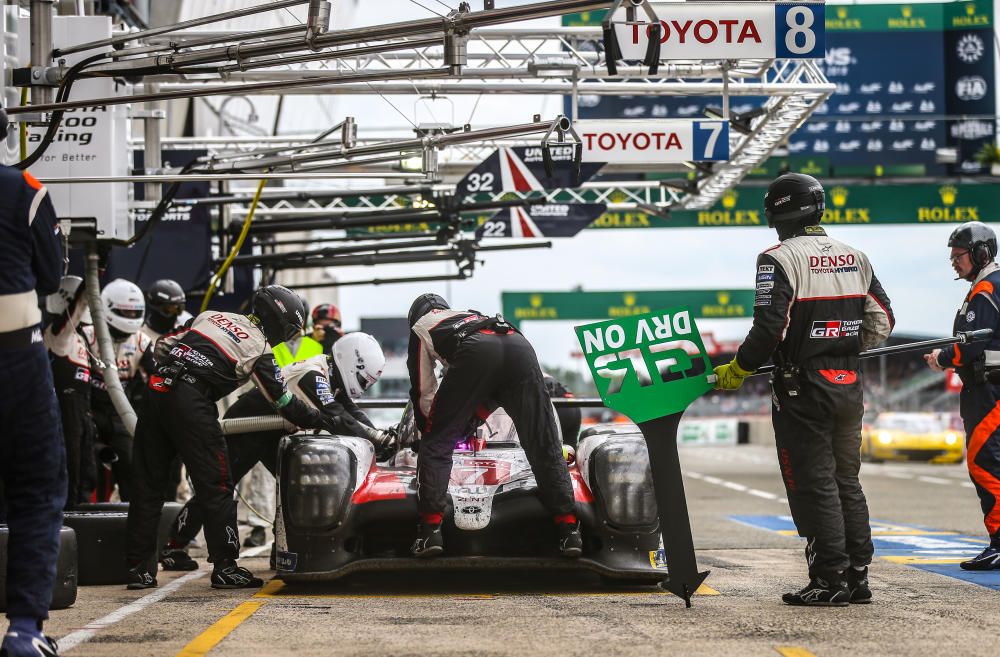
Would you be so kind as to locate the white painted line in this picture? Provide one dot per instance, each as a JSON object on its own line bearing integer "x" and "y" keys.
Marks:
{"x": 762, "y": 493}
{"x": 256, "y": 551}
{"x": 713, "y": 480}
{"x": 899, "y": 475}
{"x": 87, "y": 632}
{"x": 935, "y": 480}
{"x": 734, "y": 486}
{"x": 967, "y": 484}
{"x": 695, "y": 475}
{"x": 783, "y": 500}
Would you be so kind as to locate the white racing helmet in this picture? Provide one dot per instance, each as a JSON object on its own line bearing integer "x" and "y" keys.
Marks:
{"x": 124, "y": 306}
{"x": 359, "y": 359}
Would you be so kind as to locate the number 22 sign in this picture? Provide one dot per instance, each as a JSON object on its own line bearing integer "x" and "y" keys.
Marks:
{"x": 728, "y": 30}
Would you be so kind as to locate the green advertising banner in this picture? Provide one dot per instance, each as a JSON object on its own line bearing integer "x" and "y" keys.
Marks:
{"x": 647, "y": 366}
{"x": 714, "y": 304}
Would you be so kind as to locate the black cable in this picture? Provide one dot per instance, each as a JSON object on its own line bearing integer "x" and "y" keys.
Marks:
{"x": 64, "y": 88}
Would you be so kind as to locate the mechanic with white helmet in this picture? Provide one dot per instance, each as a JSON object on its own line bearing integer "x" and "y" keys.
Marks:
{"x": 124, "y": 307}
{"x": 973, "y": 257}
{"x": 71, "y": 375}
{"x": 488, "y": 364}
{"x": 195, "y": 367}
{"x": 32, "y": 455}
{"x": 165, "y": 301}
{"x": 329, "y": 383}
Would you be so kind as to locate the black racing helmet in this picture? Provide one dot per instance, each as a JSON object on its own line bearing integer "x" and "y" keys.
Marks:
{"x": 279, "y": 312}
{"x": 978, "y": 239}
{"x": 424, "y": 304}
{"x": 165, "y": 298}
{"x": 794, "y": 198}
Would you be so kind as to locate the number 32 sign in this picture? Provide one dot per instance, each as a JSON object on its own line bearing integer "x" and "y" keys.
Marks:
{"x": 728, "y": 30}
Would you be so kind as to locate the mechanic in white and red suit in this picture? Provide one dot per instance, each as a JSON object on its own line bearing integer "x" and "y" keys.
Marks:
{"x": 488, "y": 364}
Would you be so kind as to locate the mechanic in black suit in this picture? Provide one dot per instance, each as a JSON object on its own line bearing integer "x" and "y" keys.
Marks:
{"x": 488, "y": 364}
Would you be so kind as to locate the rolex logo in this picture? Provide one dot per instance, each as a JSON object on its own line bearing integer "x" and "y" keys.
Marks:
{"x": 729, "y": 199}
{"x": 723, "y": 298}
{"x": 948, "y": 194}
{"x": 841, "y": 13}
{"x": 907, "y": 11}
{"x": 839, "y": 196}
{"x": 536, "y": 301}
{"x": 970, "y": 9}
{"x": 629, "y": 298}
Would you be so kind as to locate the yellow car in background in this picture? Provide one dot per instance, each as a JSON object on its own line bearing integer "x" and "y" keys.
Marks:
{"x": 911, "y": 437}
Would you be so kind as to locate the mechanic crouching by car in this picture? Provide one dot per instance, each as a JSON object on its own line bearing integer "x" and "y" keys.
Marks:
{"x": 488, "y": 364}
{"x": 195, "y": 367}
{"x": 329, "y": 384}
{"x": 818, "y": 305}
{"x": 973, "y": 250}
{"x": 32, "y": 454}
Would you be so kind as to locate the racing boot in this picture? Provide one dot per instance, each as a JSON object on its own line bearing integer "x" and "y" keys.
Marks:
{"x": 430, "y": 542}
{"x": 139, "y": 577}
{"x": 257, "y": 537}
{"x": 177, "y": 560}
{"x": 24, "y": 638}
{"x": 570, "y": 540}
{"x": 228, "y": 575}
{"x": 857, "y": 584}
{"x": 273, "y": 561}
{"x": 988, "y": 559}
{"x": 821, "y": 592}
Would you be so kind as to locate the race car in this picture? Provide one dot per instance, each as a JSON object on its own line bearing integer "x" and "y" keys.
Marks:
{"x": 340, "y": 511}
{"x": 911, "y": 436}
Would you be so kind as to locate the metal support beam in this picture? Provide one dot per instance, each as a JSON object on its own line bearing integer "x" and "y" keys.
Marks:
{"x": 40, "y": 26}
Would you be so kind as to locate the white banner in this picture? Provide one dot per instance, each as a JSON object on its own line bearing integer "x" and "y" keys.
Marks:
{"x": 727, "y": 30}
{"x": 723, "y": 431}
{"x": 667, "y": 141}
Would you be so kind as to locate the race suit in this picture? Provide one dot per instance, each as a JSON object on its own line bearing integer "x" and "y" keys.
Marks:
{"x": 315, "y": 383}
{"x": 155, "y": 327}
{"x": 818, "y": 304}
{"x": 484, "y": 369}
{"x": 71, "y": 375}
{"x": 195, "y": 367}
{"x": 979, "y": 401}
{"x": 134, "y": 356}
{"x": 32, "y": 453}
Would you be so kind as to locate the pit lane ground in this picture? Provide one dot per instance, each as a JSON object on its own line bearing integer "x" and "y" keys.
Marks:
{"x": 925, "y": 518}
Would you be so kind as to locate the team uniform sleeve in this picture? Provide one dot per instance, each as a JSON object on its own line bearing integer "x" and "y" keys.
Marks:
{"x": 981, "y": 313}
{"x": 423, "y": 383}
{"x": 878, "y": 321}
{"x": 267, "y": 376}
{"x": 46, "y": 238}
{"x": 773, "y": 302}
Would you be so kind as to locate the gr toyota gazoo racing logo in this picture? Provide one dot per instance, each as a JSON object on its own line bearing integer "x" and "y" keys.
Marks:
{"x": 231, "y": 329}
{"x": 193, "y": 356}
{"x": 835, "y": 328}
{"x": 833, "y": 264}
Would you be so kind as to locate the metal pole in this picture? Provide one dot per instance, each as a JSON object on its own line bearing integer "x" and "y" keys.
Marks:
{"x": 174, "y": 27}
{"x": 40, "y": 25}
{"x": 152, "y": 153}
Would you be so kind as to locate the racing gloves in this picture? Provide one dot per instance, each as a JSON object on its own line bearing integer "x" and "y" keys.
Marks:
{"x": 730, "y": 376}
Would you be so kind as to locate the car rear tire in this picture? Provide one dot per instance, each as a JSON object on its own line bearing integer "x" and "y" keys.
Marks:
{"x": 64, "y": 587}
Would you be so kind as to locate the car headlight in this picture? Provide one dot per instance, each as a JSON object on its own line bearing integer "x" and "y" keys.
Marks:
{"x": 623, "y": 483}
{"x": 951, "y": 438}
{"x": 317, "y": 482}
{"x": 884, "y": 437}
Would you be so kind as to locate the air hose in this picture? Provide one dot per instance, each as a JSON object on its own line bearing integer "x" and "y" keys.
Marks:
{"x": 236, "y": 247}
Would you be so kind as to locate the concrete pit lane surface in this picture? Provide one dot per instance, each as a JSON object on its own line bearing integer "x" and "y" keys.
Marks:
{"x": 926, "y": 518}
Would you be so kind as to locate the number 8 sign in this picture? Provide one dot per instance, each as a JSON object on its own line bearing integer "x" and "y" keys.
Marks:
{"x": 799, "y": 30}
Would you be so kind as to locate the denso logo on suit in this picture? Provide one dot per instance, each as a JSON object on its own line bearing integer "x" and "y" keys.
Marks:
{"x": 233, "y": 331}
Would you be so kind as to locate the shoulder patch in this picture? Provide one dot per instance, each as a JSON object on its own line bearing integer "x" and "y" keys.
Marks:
{"x": 970, "y": 316}
{"x": 31, "y": 180}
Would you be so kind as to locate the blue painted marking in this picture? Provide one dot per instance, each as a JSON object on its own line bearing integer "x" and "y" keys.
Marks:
{"x": 893, "y": 540}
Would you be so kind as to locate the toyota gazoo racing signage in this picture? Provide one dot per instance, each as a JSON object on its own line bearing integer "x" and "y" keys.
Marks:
{"x": 647, "y": 366}
{"x": 666, "y": 141}
{"x": 728, "y": 30}
{"x": 545, "y": 220}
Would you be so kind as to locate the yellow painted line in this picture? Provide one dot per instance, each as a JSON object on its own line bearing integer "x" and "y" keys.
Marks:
{"x": 211, "y": 637}
{"x": 704, "y": 589}
{"x": 923, "y": 560}
{"x": 794, "y": 651}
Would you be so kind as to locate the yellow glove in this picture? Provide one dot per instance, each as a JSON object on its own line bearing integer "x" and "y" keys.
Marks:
{"x": 730, "y": 376}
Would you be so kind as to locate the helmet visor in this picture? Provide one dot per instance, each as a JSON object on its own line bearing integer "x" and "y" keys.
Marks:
{"x": 128, "y": 313}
